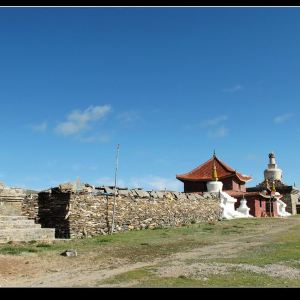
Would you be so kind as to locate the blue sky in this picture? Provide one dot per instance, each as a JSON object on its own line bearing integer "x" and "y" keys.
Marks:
{"x": 168, "y": 84}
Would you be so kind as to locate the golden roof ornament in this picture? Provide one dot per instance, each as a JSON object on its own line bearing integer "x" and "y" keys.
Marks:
{"x": 214, "y": 173}
{"x": 273, "y": 186}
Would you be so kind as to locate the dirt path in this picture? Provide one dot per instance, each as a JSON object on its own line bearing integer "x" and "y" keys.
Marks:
{"x": 51, "y": 274}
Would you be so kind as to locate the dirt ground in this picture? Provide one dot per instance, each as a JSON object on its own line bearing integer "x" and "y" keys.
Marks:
{"x": 48, "y": 269}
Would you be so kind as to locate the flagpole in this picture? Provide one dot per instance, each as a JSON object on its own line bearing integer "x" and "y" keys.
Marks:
{"x": 115, "y": 192}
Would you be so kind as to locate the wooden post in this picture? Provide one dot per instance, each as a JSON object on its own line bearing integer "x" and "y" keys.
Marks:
{"x": 270, "y": 208}
{"x": 115, "y": 192}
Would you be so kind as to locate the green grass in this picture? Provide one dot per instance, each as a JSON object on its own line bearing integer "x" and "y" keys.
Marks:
{"x": 146, "y": 277}
{"x": 283, "y": 248}
{"x": 17, "y": 250}
{"x": 147, "y": 245}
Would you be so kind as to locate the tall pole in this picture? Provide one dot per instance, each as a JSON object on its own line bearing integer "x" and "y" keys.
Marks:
{"x": 115, "y": 192}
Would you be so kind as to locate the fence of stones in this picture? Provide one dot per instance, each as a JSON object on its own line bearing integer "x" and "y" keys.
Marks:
{"x": 87, "y": 211}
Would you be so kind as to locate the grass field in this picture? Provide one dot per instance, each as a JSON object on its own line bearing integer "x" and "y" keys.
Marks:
{"x": 256, "y": 252}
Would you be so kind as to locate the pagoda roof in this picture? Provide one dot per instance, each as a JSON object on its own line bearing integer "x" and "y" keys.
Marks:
{"x": 204, "y": 172}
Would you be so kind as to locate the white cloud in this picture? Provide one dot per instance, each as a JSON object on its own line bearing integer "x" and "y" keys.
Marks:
{"x": 101, "y": 138}
{"x": 151, "y": 182}
{"x": 83, "y": 167}
{"x": 109, "y": 181}
{"x": 160, "y": 183}
{"x": 218, "y": 132}
{"x": 128, "y": 116}
{"x": 215, "y": 127}
{"x": 214, "y": 122}
{"x": 282, "y": 118}
{"x": 31, "y": 179}
{"x": 148, "y": 182}
{"x": 40, "y": 127}
{"x": 233, "y": 89}
{"x": 78, "y": 121}
{"x": 57, "y": 182}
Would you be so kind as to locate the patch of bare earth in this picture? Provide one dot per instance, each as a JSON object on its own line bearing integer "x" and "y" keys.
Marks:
{"x": 50, "y": 269}
{"x": 201, "y": 270}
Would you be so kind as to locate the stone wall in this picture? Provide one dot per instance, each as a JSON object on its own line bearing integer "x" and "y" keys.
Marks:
{"x": 30, "y": 207}
{"x": 89, "y": 213}
{"x": 10, "y": 200}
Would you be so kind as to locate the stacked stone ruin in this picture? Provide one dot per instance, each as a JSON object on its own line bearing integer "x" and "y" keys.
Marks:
{"x": 14, "y": 225}
{"x": 87, "y": 211}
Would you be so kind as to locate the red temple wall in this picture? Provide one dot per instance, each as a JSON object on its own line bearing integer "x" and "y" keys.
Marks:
{"x": 258, "y": 206}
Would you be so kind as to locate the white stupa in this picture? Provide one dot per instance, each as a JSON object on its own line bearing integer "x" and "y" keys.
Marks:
{"x": 281, "y": 206}
{"x": 214, "y": 186}
{"x": 272, "y": 172}
{"x": 243, "y": 208}
{"x": 226, "y": 201}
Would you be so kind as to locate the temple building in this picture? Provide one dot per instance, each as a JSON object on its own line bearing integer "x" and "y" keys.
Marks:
{"x": 258, "y": 202}
{"x": 196, "y": 180}
{"x": 227, "y": 203}
{"x": 273, "y": 176}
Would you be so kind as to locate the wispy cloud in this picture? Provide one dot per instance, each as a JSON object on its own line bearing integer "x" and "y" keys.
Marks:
{"x": 101, "y": 138}
{"x": 128, "y": 116}
{"x": 282, "y": 118}
{"x": 233, "y": 89}
{"x": 110, "y": 182}
{"x": 214, "y": 121}
{"x": 83, "y": 167}
{"x": 56, "y": 182}
{"x": 78, "y": 121}
{"x": 215, "y": 127}
{"x": 151, "y": 182}
{"x": 30, "y": 179}
{"x": 42, "y": 127}
{"x": 148, "y": 182}
{"x": 218, "y": 132}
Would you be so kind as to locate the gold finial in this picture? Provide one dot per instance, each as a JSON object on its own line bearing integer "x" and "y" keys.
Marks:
{"x": 273, "y": 186}
{"x": 214, "y": 173}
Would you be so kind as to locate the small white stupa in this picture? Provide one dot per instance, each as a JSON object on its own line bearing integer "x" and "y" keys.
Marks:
{"x": 226, "y": 201}
{"x": 243, "y": 208}
{"x": 280, "y": 205}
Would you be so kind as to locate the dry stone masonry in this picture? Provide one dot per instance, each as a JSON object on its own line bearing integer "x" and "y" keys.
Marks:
{"x": 87, "y": 211}
{"x": 14, "y": 226}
